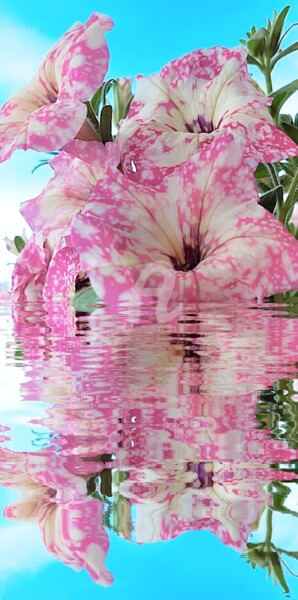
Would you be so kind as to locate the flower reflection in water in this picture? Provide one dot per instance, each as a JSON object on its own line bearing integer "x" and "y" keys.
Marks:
{"x": 154, "y": 430}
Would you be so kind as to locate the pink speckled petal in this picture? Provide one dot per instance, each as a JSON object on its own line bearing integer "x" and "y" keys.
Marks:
{"x": 190, "y": 236}
{"x": 49, "y": 111}
{"x": 95, "y": 153}
{"x": 74, "y": 534}
{"x": 49, "y": 470}
{"x": 29, "y": 272}
{"x": 52, "y": 211}
{"x": 112, "y": 282}
{"x": 187, "y": 105}
{"x": 61, "y": 275}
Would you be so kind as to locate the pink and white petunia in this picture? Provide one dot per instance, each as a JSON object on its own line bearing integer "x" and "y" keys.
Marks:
{"x": 49, "y": 265}
{"x": 55, "y": 499}
{"x": 188, "y": 239}
{"x": 50, "y": 110}
{"x": 189, "y": 103}
{"x": 51, "y": 212}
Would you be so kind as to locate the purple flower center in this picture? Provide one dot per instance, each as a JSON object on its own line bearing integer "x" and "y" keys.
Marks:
{"x": 200, "y": 125}
{"x": 204, "y": 474}
{"x": 191, "y": 256}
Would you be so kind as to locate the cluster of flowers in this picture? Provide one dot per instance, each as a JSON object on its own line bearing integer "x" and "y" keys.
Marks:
{"x": 169, "y": 208}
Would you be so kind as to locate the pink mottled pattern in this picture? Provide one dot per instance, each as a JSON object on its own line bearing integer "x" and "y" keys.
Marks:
{"x": 187, "y": 239}
{"x": 38, "y": 273}
{"x": 29, "y": 274}
{"x": 189, "y": 104}
{"x": 176, "y": 411}
{"x": 50, "y": 110}
{"x": 48, "y": 266}
{"x": 55, "y": 499}
{"x": 52, "y": 211}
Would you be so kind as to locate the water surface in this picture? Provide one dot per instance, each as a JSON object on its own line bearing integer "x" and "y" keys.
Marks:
{"x": 140, "y": 457}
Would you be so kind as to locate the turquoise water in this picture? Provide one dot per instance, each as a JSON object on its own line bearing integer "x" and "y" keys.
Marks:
{"x": 141, "y": 457}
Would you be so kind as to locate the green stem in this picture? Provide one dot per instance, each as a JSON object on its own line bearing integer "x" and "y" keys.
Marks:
{"x": 290, "y": 199}
{"x": 269, "y": 529}
{"x": 267, "y": 73}
{"x": 273, "y": 174}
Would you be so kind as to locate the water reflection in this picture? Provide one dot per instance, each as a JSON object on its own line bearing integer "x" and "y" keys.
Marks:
{"x": 151, "y": 430}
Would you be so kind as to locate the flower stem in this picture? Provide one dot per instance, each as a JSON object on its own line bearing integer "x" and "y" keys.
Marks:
{"x": 267, "y": 73}
{"x": 269, "y": 529}
{"x": 290, "y": 199}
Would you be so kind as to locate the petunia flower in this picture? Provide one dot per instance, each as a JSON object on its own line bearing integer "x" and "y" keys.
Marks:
{"x": 49, "y": 265}
{"x": 188, "y": 104}
{"x": 198, "y": 236}
{"x": 50, "y": 110}
{"x": 55, "y": 499}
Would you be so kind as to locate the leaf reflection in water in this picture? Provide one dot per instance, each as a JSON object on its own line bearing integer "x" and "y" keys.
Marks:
{"x": 153, "y": 431}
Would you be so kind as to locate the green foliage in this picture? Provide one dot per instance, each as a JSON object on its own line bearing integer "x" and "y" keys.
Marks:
{"x": 271, "y": 198}
{"x": 277, "y": 183}
{"x": 85, "y": 300}
{"x": 281, "y": 95}
{"x": 277, "y": 410}
{"x": 264, "y": 44}
{"x": 265, "y": 554}
{"x": 19, "y": 243}
{"x": 118, "y": 107}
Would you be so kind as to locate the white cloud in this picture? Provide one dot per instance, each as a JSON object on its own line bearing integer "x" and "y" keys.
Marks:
{"x": 22, "y": 50}
{"x": 21, "y": 549}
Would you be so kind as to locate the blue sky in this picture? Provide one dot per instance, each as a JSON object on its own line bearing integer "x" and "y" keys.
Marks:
{"x": 147, "y": 35}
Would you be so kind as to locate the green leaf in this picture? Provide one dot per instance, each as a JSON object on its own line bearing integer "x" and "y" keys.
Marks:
{"x": 290, "y": 130}
{"x": 19, "y": 243}
{"x": 261, "y": 172}
{"x": 105, "y": 125}
{"x": 256, "y": 44}
{"x": 278, "y": 572}
{"x": 279, "y": 496}
{"x": 276, "y": 30}
{"x": 288, "y": 553}
{"x": 289, "y": 166}
{"x": 281, "y": 95}
{"x": 118, "y": 104}
{"x": 284, "y": 53}
{"x": 253, "y": 61}
{"x": 96, "y": 100}
{"x": 85, "y": 300}
{"x": 105, "y": 90}
{"x": 286, "y": 119}
{"x": 269, "y": 199}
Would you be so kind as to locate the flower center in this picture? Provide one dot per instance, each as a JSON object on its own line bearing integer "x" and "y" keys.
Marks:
{"x": 204, "y": 472}
{"x": 192, "y": 259}
{"x": 200, "y": 125}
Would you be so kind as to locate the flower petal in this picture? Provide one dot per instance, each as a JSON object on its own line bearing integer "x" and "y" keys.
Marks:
{"x": 49, "y": 111}
{"x": 205, "y": 211}
{"x": 188, "y": 104}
